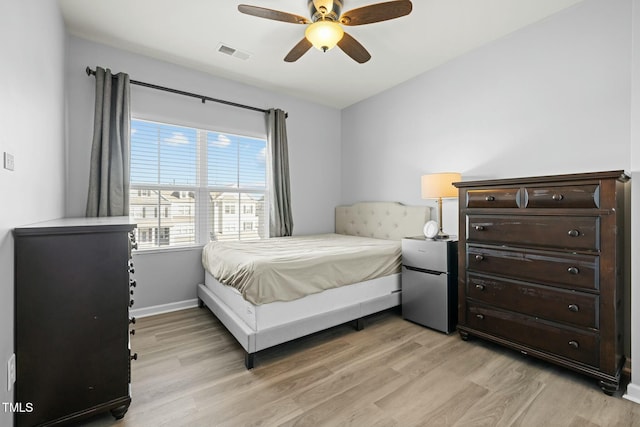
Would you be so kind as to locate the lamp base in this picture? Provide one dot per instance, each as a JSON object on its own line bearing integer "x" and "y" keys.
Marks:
{"x": 441, "y": 236}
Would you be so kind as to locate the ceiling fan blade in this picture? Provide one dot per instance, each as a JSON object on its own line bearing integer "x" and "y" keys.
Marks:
{"x": 298, "y": 50}
{"x": 276, "y": 15}
{"x": 376, "y": 12}
{"x": 354, "y": 49}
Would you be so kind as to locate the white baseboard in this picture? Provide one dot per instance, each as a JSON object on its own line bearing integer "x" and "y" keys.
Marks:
{"x": 164, "y": 308}
{"x": 633, "y": 393}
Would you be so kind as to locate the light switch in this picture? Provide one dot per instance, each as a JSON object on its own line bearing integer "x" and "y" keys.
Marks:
{"x": 8, "y": 161}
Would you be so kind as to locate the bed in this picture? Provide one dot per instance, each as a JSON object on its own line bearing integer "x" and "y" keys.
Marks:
{"x": 259, "y": 316}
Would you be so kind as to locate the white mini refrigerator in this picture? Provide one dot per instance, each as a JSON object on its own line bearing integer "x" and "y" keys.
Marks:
{"x": 429, "y": 282}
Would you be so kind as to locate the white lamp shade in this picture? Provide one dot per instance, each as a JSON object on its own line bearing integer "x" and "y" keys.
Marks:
{"x": 324, "y": 35}
{"x": 440, "y": 185}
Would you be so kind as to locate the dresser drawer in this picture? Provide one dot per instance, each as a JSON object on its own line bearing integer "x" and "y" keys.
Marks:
{"x": 554, "y": 304}
{"x": 494, "y": 198}
{"x": 566, "y": 196}
{"x": 550, "y": 231}
{"x": 581, "y": 346}
{"x": 555, "y": 268}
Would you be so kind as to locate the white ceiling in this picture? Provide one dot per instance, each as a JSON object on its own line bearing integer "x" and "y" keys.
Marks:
{"x": 188, "y": 32}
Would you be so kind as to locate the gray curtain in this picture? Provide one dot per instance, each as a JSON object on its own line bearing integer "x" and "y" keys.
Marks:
{"x": 280, "y": 218}
{"x": 109, "y": 174}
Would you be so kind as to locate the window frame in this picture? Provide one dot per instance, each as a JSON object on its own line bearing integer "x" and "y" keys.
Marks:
{"x": 201, "y": 191}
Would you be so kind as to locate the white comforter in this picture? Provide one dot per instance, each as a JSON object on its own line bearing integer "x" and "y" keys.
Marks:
{"x": 287, "y": 268}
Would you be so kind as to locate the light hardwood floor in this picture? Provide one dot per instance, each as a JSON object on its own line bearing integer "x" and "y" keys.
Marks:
{"x": 190, "y": 372}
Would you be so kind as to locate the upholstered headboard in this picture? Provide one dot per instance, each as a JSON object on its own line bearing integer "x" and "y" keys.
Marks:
{"x": 382, "y": 220}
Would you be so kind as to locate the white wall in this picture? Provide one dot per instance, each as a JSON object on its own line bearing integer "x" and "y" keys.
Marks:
{"x": 552, "y": 98}
{"x": 633, "y": 390}
{"x": 314, "y": 148}
{"x": 542, "y": 100}
{"x": 32, "y": 108}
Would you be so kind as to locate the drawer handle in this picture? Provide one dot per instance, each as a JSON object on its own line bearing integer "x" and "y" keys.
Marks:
{"x": 490, "y": 198}
{"x": 573, "y": 270}
{"x": 574, "y": 233}
{"x": 133, "y": 356}
{"x": 480, "y": 316}
{"x": 479, "y": 227}
{"x": 574, "y": 344}
{"x": 480, "y": 287}
{"x": 574, "y": 308}
{"x": 131, "y": 303}
{"x": 132, "y": 332}
{"x": 479, "y": 258}
{"x": 557, "y": 197}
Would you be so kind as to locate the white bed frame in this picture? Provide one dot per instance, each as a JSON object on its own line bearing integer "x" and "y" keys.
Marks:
{"x": 384, "y": 220}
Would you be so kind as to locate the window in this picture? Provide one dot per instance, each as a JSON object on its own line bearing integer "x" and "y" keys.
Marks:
{"x": 164, "y": 237}
{"x": 143, "y": 235}
{"x": 191, "y": 185}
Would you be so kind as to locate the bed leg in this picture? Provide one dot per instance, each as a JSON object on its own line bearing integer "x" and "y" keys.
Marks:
{"x": 248, "y": 360}
{"x": 359, "y": 324}
{"x": 200, "y": 303}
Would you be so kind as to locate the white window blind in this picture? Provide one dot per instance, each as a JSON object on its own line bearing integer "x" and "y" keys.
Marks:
{"x": 191, "y": 185}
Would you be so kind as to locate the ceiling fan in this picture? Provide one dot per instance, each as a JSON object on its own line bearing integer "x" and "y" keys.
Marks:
{"x": 324, "y": 30}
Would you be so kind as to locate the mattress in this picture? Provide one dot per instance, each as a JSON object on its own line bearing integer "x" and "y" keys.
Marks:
{"x": 289, "y": 268}
{"x": 265, "y": 316}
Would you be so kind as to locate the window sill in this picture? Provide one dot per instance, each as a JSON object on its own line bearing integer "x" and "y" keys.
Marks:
{"x": 170, "y": 249}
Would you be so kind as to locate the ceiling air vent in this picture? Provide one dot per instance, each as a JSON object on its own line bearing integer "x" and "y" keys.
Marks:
{"x": 228, "y": 50}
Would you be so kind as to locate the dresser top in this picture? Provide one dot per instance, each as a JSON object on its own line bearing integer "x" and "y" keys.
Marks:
{"x": 619, "y": 175}
{"x": 81, "y": 225}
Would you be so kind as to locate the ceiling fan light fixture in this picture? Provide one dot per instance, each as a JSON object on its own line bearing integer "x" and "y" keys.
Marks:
{"x": 324, "y": 30}
{"x": 324, "y": 35}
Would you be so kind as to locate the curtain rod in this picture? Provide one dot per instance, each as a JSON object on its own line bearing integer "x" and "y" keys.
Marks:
{"x": 203, "y": 98}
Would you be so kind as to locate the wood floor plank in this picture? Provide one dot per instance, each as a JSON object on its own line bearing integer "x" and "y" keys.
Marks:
{"x": 451, "y": 410}
{"x": 503, "y": 406}
{"x": 262, "y": 395}
{"x": 360, "y": 369}
{"x": 190, "y": 373}
{"x": 343, "y": 406}
{"x": 418, "y": 398}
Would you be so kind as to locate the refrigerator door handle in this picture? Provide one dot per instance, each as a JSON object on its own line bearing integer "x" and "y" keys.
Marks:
{"x": 422, "y": 270}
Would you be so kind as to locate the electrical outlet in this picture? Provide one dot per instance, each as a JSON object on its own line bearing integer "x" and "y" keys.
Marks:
{"x": 8, "y": 161}
{"x": 11, "y": 372}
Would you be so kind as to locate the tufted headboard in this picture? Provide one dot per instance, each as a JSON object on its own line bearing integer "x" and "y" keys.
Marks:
{"x": 382, "y": 220}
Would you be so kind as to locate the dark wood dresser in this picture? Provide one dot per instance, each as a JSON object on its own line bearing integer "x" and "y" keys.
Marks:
{"x": 72, "y": 296}
{"x": 541, "y": 268}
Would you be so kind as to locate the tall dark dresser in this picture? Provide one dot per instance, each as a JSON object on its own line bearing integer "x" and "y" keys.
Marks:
{"x": 541, "y": 268}
{"x": 73, "y": 292}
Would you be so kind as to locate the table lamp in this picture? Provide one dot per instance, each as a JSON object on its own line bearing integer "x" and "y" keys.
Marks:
{"x": 438, "y": 186}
